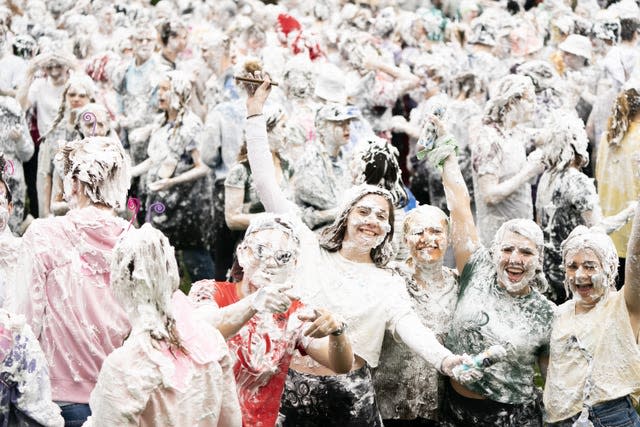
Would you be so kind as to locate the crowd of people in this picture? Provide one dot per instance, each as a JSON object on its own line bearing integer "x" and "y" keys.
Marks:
{"x": 329, "y": 213}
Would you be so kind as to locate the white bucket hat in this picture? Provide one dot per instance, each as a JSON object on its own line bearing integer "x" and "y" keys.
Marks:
{"x": 577, "y": 45}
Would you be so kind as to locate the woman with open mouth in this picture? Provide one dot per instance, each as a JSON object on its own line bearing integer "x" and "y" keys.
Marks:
{"x": 344, "y": 272}
{"x": 595, "y": 359}
{"x": 498, "y": 304}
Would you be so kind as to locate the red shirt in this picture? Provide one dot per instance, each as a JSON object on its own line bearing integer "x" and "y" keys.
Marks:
{"x": 261, "y": 350}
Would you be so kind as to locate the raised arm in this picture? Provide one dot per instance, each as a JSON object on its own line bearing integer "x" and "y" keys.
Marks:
{"x": 464, "y": 234}
{"x": 632, "y": 269}
{"x": 260, "y": 157}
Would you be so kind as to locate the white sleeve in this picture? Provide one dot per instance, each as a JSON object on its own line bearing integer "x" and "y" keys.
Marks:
{"x": 264, "y": 176}
{"x": 124, "y": 386}
{"x": 421, "y": 340}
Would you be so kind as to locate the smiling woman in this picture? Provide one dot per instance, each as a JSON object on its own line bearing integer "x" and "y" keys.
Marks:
{"x": 344, "y": 271}
{"x": 595, "y": 358}
{"x": 498, "y": 305}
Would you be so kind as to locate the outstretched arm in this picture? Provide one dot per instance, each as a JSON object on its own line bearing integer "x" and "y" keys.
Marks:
{"x": 609, "y": 224}
{"x": 632, "y": 270}
{"x": 260, "y": 157}
{"x": 332, "y": 351}
{"x": 464, "y": 234}
{"x": 230, "y": 319}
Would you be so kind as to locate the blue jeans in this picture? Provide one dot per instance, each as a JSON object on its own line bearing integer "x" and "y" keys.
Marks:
{"x": 614, "y": 413}
{"x": 199, "y": 264}
{"x": 75, "y": 414}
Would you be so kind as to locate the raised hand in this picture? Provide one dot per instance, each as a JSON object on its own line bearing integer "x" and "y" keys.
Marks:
{"x": 256, "y": 100}
{"x": 271, "y": 298}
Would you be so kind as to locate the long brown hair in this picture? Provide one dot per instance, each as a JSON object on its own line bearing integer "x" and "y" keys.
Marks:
{"x": 333, "y": 236}
{"x": 627, "y": 105}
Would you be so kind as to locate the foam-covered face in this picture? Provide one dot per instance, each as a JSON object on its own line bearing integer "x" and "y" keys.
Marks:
{"x": 385, "y": 22}
{"x": 55, "y": 71}
{"x": 573, "y": 62}
{"x": 585, "y": 275}
{"x": 101, "y": 125}
{"x": 368, "y": 222}
{"x": 178, "y": 42}
{"x": 335, "y": 134}
{"x": 522, "y": 110}
{"x": 143, "y": 45}
{"x": 164, "y": 95}
{"x": 300, "y": 84}
{"x": 77, "y": 97}
{"x": 516, "y": 259}
{"x": 267, "y": 257}
{"x": 427, "y": 238}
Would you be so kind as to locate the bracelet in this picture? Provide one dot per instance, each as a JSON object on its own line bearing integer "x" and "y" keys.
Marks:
{"x": 254, "y": 115}
{"x": 340, "y": 331}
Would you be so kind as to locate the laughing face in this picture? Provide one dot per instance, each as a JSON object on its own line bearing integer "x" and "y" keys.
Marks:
{"x": 585, "y": 276}
{"x": 516, "y": 258}
{"x": 426, "y": 238}
{"x": 368, "y": 222}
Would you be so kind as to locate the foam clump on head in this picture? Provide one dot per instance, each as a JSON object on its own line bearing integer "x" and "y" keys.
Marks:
{"x": 144, "y": 276}
{"x": 101, "y": 165}
{"x": 375, "y": 163}
{"x": 508, "y": 91}
{"x": 270, "y": 221}
{"x": 566, "y": 139}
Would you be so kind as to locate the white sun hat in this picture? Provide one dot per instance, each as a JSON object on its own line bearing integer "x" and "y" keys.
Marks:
{"x": 577, "y": 45}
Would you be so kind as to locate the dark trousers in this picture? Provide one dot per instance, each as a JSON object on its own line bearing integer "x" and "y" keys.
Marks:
{"x": 75, "y": 414}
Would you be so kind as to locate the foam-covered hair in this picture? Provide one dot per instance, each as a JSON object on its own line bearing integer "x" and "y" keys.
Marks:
{"x": 566, "y": 139}
{"x": 333, "y": 236}
{"x": 99, "y": 163}
{"x": 509, "y": 90}
{"x": 376, "y": 163}
{"x": 601, "y": 244}
{"x": 144, "y": 275}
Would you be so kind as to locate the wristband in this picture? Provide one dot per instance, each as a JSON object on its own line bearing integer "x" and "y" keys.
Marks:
{"x": 254, "y": 115}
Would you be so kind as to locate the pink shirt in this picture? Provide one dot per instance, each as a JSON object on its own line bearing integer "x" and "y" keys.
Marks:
{"x": 63, "y": 290}
{"x": 143, "y": 383}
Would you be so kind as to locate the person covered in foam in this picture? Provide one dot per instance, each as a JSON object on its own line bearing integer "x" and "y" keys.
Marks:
{"x": 498, "y": 304}
{"x": 264, "y": 323}
{"x": 65, "y": 263}
{"x": 407, "y": 387}
{"x": 172, "y": 369}
{"x": 595, "y": 359}
{"x": 345, "y": 272}
{"x": 566, "y": 197}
